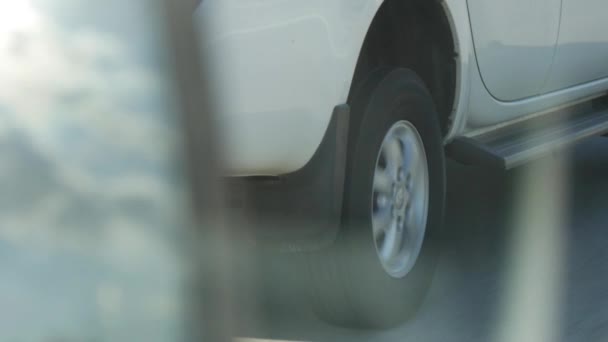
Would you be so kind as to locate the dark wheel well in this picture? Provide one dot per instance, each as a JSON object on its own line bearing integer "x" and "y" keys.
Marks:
{"x": 413, "y": 34}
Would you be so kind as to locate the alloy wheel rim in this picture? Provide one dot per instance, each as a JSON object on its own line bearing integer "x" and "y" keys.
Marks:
{"x": 400, "y": 199}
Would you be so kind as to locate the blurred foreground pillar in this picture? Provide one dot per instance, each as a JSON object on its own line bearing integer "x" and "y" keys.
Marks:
{"x": 208, "y": 294}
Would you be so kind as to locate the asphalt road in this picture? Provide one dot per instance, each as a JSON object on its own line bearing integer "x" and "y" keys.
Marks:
{"x": 525, "y": 258}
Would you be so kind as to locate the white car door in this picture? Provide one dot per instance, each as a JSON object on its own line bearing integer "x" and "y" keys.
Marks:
{"x": 514, "y": 44}
{"x": 582, "y": 50}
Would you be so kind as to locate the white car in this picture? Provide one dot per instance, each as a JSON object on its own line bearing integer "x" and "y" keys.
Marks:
{"x": 338, "y": 114}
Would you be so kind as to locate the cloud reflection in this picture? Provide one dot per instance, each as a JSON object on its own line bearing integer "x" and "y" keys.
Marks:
{"x": 90, "y": 194}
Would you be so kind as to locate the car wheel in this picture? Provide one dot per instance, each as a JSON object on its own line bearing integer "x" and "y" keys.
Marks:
{"x": 377, "y": 272}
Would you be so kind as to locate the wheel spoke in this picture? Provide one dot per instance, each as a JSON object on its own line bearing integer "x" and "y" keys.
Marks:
{"x": 382, "y": 181}
{"x": 392, "y": 242}
{"x": 412, "y": 157}
{"x": 416, "y": 211}
{"x": 394, "y": 155}
{"x": 410, "y": 225}
{"x": 381, "y": 221}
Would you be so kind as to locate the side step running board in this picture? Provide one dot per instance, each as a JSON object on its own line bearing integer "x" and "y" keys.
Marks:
{"x": 516, "y": 144}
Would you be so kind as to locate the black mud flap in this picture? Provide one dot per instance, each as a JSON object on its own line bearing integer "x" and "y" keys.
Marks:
{"x": 300, "y": 211}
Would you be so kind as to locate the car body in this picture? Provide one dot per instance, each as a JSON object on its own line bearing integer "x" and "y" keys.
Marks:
{"x": 284, "y": 65}
{"x": 348, "y": 109}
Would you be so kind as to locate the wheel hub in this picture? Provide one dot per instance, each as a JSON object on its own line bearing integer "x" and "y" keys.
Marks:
{"x": 401, "y": 196}
{"x": 400, "y": 199}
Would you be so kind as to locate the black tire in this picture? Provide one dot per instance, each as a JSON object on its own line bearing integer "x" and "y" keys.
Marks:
{"x": 349, "y": 284}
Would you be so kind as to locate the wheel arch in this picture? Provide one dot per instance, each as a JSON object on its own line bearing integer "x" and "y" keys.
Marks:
{"x": 434, "y": 60}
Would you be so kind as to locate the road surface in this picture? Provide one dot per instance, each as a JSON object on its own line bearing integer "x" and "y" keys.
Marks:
{"x": 525, "y": 259}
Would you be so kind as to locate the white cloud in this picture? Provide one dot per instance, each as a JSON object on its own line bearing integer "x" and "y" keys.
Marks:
{"x": 98, "y": 120}
{"x": 87, "y": 171}
{"x": 58, "y": 85}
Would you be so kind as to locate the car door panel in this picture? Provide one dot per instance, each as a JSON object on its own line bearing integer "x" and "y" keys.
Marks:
{"x": 514, "y": 44}
{"x": 582, "y": 49}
